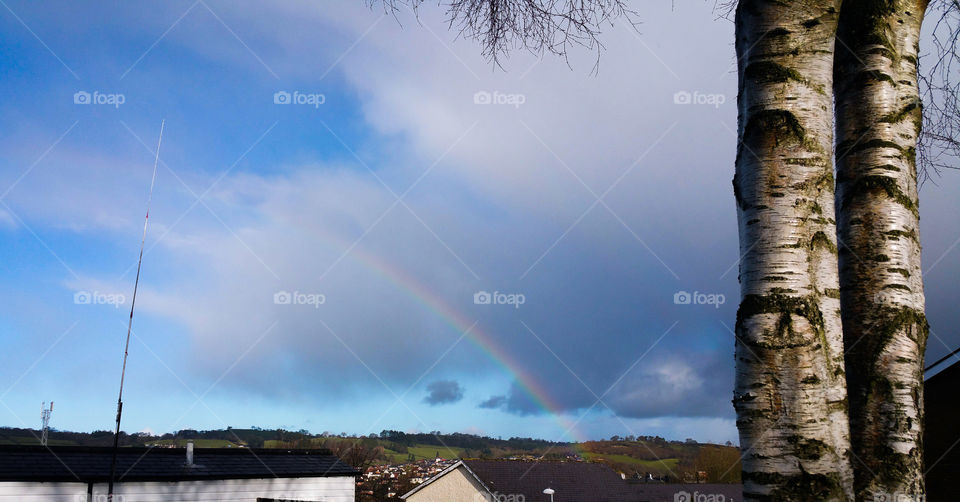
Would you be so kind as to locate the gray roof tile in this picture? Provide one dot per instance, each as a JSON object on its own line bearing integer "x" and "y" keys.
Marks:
{"x": 92, "y": 464}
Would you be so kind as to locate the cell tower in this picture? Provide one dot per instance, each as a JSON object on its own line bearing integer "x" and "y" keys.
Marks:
{"x": 45, "y": 417}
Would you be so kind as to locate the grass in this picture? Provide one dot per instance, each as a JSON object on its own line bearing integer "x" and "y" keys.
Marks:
{"x": 419, "y": 451}
{"x": 33, "y": 440}
{"x": 424, "y": 452}
{"x": 660, "y": 465}
{"x": 276, "y": 443}
{"x": 199, "y": 443}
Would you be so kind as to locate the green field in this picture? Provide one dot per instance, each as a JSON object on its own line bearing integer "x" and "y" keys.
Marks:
{"x": 33, "y": 440}
{"x": 424, "y": 452}
{"x": 659, "y": 465}
{"x": 276, "y": 443}
{"x": 199, "y": 443}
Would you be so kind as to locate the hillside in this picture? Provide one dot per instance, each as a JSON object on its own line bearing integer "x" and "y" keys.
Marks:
{"x": 655, "y": 457}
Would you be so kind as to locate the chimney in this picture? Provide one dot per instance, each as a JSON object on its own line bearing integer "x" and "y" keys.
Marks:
{"x": 189, "y": 453}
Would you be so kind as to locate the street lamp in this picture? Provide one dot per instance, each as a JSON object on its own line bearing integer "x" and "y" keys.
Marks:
{"x": 549, "y": 491}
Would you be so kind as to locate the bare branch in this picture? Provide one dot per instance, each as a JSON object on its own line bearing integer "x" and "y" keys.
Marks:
{"x": 539, "y": 26}
{"x": 939, "y": 144}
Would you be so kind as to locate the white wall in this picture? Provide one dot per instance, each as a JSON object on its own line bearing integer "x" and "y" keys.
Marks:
{"x": 457, "y": 485}
{"x": 46, "y": 492}
{"x": 330, "y": 489}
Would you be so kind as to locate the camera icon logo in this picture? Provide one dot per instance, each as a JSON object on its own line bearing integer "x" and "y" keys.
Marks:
{"x": 82, "y": 298}
{"x": 482, "y": 98}
{"x": 482, "y": 298}
{"x": 682, "y": 98}
{"x": 81, "y": 98}
{"x": 281, "y": 98}
{"x": 282, "y": 298}
{"x": 682, "y": 496}
{"x": 682, "y": 298}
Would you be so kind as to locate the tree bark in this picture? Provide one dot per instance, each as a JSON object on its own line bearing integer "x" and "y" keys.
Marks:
{"x": 790, "y": 393}
{"x": 878, "y": 116}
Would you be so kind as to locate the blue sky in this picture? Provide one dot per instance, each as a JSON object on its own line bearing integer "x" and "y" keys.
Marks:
{"x": 596, "y": 197}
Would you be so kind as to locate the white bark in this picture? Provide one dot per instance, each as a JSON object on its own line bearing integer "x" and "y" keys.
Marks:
{"x": 790, "y": 391}
{"x": 885, "y": 330}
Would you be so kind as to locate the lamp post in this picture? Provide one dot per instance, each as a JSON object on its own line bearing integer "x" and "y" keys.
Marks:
{"x": 549, "y": 491}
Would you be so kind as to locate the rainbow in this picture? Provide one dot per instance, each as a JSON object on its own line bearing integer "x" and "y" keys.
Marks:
{"x": 459, "y": 322}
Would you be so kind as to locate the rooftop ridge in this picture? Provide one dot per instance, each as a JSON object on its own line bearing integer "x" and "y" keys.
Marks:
{"x": 162, "y": 450}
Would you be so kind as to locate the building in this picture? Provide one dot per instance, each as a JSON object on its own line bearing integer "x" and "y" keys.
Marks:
{"x": 523, "y": 481}
{"x": 941, "y": 437}
{"x": 78, "y": 473}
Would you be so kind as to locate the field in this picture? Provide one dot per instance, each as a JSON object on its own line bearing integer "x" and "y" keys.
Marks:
{"x": 199, "y": 443}
{"x": 33, "y": 440}
{"x": 423, "y": 452}
{"x": 663, "y": 465}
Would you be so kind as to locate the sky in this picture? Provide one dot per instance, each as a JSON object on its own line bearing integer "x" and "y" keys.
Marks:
{"x": 359, "y": 223}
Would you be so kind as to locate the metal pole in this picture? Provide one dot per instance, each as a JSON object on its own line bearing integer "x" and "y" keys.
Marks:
{"x": 133, "y": 302}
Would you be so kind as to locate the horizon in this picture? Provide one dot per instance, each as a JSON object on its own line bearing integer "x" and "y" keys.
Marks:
{"x": 348, "y": 435}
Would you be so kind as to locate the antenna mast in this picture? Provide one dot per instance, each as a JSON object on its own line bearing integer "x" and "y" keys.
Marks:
{"x": 45, "y": 418}
{"x": 133, "y": 302}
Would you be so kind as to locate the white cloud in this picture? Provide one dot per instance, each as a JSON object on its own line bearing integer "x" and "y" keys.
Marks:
{"x": 7, "y": 220}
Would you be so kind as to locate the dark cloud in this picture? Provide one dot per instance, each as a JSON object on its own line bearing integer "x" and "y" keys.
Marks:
{"x": 494, "y": 402}
{"x": 443, "y": 392}
{"x": 676, "y": 386}
{"x": 670, "y": 383}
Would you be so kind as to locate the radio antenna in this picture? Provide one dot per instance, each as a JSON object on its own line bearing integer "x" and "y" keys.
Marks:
{"x": 133, "y": 302}
{"x": 45, "y": 420}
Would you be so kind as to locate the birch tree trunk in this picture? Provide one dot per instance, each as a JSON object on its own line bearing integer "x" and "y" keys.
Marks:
{"x": 790, "y": 393}
{"x": 885, "y": 331}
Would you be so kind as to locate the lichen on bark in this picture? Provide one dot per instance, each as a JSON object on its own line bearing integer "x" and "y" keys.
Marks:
{"x": 878, "y": 113}
{"x": 790, "y": 392}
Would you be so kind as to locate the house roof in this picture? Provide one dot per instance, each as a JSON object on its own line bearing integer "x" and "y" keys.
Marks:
{"x": 457, "y": 465}
{"x": 92, "y": 464}
{"x": 940, "y": 435}
{"x": 573, "y": 482}
{"x": 662, "y": 492}
{"x": 945, "y": 376}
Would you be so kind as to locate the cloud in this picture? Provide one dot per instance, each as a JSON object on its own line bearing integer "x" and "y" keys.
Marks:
{"x": 6, "y": 220}
{"x": 675, "y": 386}
{"x": 443, "y": 392}
{"x": 496, "y": 198}
{"x": 494, "y": 402}
{"x": 516, "y": 218}
{"x": 671, "y": 383}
